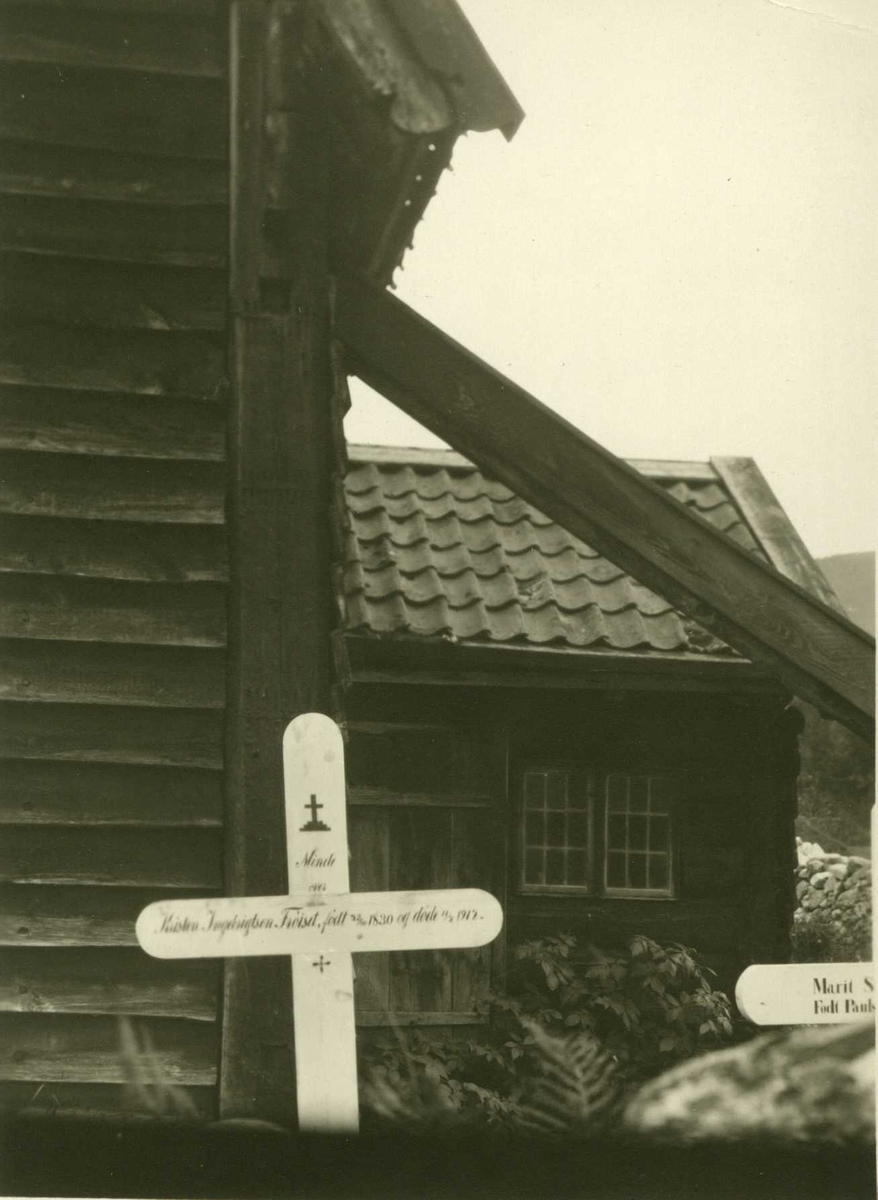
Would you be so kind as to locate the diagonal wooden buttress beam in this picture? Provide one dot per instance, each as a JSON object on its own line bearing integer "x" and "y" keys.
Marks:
{"x": 819, "y": 654}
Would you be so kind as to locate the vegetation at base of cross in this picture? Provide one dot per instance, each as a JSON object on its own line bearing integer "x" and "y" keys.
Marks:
{"x": 567, "y": 1038}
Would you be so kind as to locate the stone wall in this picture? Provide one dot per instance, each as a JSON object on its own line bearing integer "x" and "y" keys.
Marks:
{"x": 832, "y": 921}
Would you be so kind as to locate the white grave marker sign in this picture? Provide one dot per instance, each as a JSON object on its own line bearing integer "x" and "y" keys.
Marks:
{"x": 806, "y": 993}
{"x": 320, "y": 923}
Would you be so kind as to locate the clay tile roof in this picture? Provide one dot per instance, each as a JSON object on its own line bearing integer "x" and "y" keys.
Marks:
{"x": 436, "y": 550}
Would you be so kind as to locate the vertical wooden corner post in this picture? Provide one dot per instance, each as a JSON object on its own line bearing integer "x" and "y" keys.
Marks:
{"x": 279, "y": 451}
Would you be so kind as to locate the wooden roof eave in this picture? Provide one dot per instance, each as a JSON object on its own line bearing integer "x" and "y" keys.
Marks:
{"x": 772, "y": 528}
{"x": 416, "y": 78}
{"x": 425, "y": 56}
{"x": 817, "y": 653}
{"x": 437, "y": 662}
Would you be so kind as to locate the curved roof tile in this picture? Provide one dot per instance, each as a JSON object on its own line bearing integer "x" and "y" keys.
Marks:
{"x": 441, "y": 551}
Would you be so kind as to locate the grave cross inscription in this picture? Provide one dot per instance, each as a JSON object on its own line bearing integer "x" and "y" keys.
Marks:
{"x": 806, "y": 993}
{"x": 319, "y": 924}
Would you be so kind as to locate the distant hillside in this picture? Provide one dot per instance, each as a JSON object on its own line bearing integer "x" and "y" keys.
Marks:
{"x": 853, "y": 577}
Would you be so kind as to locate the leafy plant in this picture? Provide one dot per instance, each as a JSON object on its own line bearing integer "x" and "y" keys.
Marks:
{"x": 649, "y": 1005}
{"x": 616, "y": 1019}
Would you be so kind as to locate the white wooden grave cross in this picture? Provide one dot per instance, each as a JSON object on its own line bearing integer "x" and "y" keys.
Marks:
{"x": 319, "y": 924}
{"x": 807, "y": 993}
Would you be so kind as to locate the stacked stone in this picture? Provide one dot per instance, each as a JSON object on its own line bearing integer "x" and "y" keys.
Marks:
{"x": 834, "y": 895}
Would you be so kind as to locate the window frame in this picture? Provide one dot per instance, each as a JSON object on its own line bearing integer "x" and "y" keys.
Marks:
{"x": 596, "y": 779}
{"x": 591, "y": 779}
{"x": 645, "y": 893}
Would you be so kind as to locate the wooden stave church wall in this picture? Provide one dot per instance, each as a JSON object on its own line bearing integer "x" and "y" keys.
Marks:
{"x": 112, "y": 548}
{"x": 735, "y": 754}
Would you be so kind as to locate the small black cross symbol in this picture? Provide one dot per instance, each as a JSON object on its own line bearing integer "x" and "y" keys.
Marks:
{"x": 313, "y": 825}
{"x": 321, "y": 963}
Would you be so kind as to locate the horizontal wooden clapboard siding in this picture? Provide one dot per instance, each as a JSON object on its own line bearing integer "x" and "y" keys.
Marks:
{"x": 113, "y": 386}
{"x": 113, "y": 110}
{"x": 97, "y": 673}
{"x": 50, "y": 793}
{"x": 103, "y": 1099}
{"x": 125, "y": 550}
{"x": 34, "y": 915}
{"x": 82, "y": 1049}
{"x": 122, "y": 40}
{"x": 74, "y": 485}
{"x": 27, "y": 169}
{"x": 101, "y": 423}
{"x": 77, "y": 291}
{"x": 145, "y": 363}
{"x": 37, "y": 606}
{"x": 107, "y": 981}
{"x": 100, "y": 229}
{"x": 110, "y": 734}
{"x": 111, "y": 856}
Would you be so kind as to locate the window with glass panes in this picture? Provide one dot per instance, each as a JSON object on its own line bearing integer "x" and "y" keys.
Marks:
{"x": 638, "y": 853}
{"x": 557, "y": 806}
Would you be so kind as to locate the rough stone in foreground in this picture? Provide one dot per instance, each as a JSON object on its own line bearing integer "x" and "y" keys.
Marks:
{"x": 805, "y": 1085}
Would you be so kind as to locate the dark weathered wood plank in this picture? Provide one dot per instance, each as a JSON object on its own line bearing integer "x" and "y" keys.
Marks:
{"x": 124, "y": 982}
{"x": 61, "y": 421}
{"x": 248, "y": 31}
{"x": 75, "y": 291}
{"x": 97, "y": 733}
{"x": 111, "y": 857}
{"x": 152, "y": 234}
{"x": 82, "y": 486}
{"x": 113, "y": 550}
{"x": 122, "y": 41}
{"x": 472, "y": 858}
{"x": 33, "y": 915}
{"x": 384, "y": 798}
{"x": 261, "y": 370}
{"x": 120, "y": 110}
{"x": 707, "y": 925}
{"x": 427, "y": 760}
{"x": 28, "y": 169}
{"x": 80, "y": 1049}
{"x": 96, "y": 673}
{"x": 158, "y": 363}
{"x": 369, "y": 871}
{"x": 46, "y": 607}
{"x": 177, "y": 8}
{"x": 97, "y": 1099}
{"x": 420, "y": 857}
{"x": 544, "y": 459}
{"x": 48, "y": 793}
{"x": 281, "y": 608}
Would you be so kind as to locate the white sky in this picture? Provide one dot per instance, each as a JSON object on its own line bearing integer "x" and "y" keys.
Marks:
{"x": 678, "y": 250}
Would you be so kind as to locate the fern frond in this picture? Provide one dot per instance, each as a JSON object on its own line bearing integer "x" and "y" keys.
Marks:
{"x": 577, "y": 1090}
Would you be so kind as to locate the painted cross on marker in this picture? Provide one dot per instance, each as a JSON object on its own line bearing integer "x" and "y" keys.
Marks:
{"x": 314, "y": 826}
{"x": 320, "y": 915}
